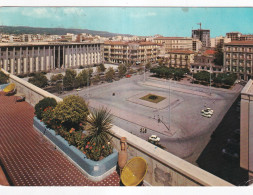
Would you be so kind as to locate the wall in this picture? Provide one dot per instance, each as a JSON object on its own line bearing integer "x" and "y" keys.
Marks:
{"x": 33, "y": 94}
{"x": 164, "y": 168}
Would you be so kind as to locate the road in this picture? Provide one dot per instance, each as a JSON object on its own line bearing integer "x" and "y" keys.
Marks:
{"x": 185, "y": 132}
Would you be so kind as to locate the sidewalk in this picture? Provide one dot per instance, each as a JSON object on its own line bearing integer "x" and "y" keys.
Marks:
{"x": 236, "y": 88}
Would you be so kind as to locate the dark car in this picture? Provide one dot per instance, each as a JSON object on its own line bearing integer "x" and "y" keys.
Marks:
{"x": 231, "y": 151}
{"x": 234, "y": 139}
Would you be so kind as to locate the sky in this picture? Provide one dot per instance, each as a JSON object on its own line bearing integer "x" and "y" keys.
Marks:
{"x": 141, "y": 21}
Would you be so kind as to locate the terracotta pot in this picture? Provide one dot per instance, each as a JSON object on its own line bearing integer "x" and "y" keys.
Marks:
{"x": 122, "y": 158}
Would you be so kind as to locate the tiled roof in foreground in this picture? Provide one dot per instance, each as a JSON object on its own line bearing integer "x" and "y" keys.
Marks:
{"x": 28, "y": 158}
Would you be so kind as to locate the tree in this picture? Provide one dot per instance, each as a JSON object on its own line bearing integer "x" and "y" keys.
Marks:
{"x": 178, "y": 74}
{"x": 218, "y": 55}
{"x": 69, "y": 79}
{"x": 109, "y": 74}
{"x": 3, "y": 78}
{"x": 82, "y": 78}
{"x": 202, "y": 76}
{"x": 99, "y": 124}
{"x": 57, "y": 77}
{"x": 148, "y": 66}
{"x": 102, "y": 67}
{"x": 39, "y": 80}
{"x": 122, "y": 70}
{"x": 71, "y": 111}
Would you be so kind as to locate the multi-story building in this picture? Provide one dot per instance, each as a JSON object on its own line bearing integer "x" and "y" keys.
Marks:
{"x": 219, "y": 40}
{"x": 203, "y": 35}
{"x": 175, "y": 43}
{"x": 204, "y": 61}
{"x": 21, "y": 58}
{"x": 130, "y": 52}
{"x": 180, "y": 58}
{"x": 238, "y": 58}
{"x": 246, "y": 38}
{"x": 235, "y": 36}
{"x": 196, "y": 45}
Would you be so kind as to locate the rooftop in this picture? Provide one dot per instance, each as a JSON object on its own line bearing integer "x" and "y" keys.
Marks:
{"x": 240, "y": 43}
{"x": 44, "y": 43}
{"x": 29, "y": 159}
{"x": 129, "y": 42}
{"x": 209, "y": 52}
{"x": 171, "y": 38}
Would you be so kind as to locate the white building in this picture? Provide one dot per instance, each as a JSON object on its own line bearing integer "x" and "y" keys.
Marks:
{"x": 22, "y": 58}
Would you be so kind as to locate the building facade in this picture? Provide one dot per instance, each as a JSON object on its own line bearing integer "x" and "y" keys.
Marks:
{"x": 203, "y": 36}
{"x": 204, "y": 61}
{"x": 234, "y": 36}
{"x": 23, "y": 58}
{"x": 219, "y": 40}
{"x": 180, "y": 58}
{"x": 238, "y": 58}
{"x": 130, "y": 52}
{"x": 175, "y": 43}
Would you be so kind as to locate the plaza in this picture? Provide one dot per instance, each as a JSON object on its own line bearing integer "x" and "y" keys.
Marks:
{"x": 177, "y": 119}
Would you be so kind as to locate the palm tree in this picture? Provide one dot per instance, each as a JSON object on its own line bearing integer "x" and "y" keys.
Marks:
{"x": 99, "y": 124}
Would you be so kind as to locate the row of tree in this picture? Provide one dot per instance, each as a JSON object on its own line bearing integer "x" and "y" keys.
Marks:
{"x": 220, "y": 79}
{"x": 169, "y": 72}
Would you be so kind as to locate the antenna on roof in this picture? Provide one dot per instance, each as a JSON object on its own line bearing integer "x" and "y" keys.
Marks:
{"x": 199, "y": 25}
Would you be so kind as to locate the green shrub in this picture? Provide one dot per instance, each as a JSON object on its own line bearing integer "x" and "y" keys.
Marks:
{"x": 72, "y": 111}
{"x": 42, "y": 105}
{"x": 39, "y": 80}
{"x": 47, "y": 117}
{"x": 3, "y": 78}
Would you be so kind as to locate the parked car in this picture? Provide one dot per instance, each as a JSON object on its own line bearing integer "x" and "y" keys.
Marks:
{"x": 231, "y": 151}
{"x": 154, "y": 138}
{"x": 128, "y": 76}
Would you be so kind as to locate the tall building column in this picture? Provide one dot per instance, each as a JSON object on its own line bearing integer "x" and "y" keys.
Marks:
{"x": 6, "y": 65}
{"x": 20, "y": 61}
{"x": 54, "y": 57}
{"x": 12, "y": 61}
{"x": 37, "y": 60}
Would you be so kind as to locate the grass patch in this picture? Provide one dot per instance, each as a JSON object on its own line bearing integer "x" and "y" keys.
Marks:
{"x": 153, "y": 98}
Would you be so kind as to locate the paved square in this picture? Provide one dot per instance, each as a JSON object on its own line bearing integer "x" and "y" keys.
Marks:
{"x": 176, "y": 120}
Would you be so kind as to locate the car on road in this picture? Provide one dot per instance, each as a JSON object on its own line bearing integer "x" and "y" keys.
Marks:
{"x": 206, "y": 115}
{"x": 207, "y": 111}
{"x": 231, "y": 151}
{"x": 154, "y": 138}
{"x": 128, "y": 76}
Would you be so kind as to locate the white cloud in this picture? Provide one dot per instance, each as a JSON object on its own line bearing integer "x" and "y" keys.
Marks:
{"x": 73, "y": 11}
{"x": 142, "y": 15}
{"x": 37, "y": 12}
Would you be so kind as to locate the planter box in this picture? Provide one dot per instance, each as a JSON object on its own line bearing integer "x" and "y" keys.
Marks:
{"x": 94, "y": 170}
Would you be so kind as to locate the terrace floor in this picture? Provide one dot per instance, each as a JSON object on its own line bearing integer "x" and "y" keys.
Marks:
{"x": 28, "y": 159}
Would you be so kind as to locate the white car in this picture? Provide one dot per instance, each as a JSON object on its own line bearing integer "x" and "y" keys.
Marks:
{"x": 207, "y": 111}
{"x": 208, "y": 115}
{"x": 154, "y": 138}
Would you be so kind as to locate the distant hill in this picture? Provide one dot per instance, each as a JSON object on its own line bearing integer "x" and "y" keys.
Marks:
{"x": 53, "y": 31}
